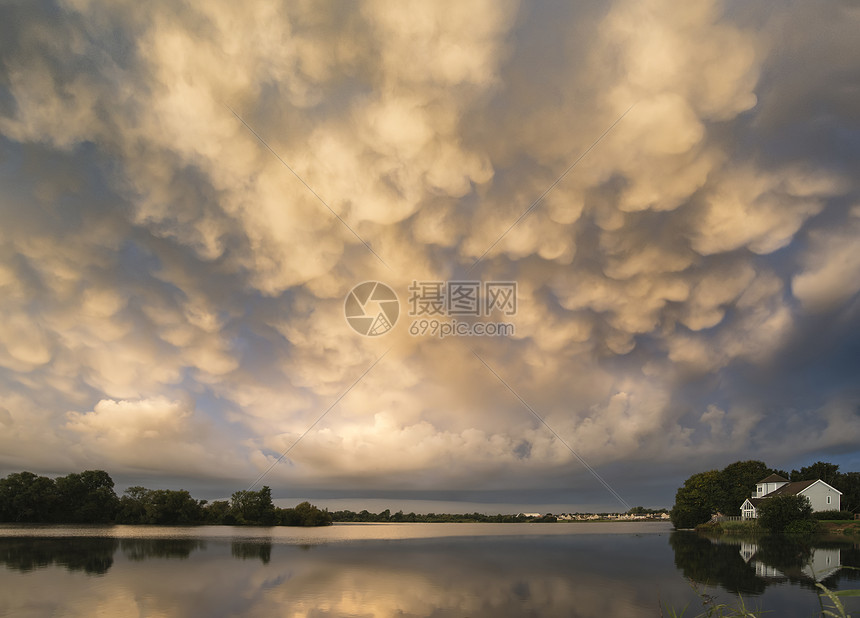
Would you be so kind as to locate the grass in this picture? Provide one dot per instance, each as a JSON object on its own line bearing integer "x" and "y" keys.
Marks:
{"x": 849, "y": 527}
{"x": 729, "y": 527}
{"x": 739, "y": 526}
{"x": 839, "y": 521}
{"x": 836, "y": 608}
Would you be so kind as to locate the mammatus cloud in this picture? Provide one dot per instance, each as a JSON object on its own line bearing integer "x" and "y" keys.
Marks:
{"x": 172, "y": 292}
{"x": 830, "y": 276}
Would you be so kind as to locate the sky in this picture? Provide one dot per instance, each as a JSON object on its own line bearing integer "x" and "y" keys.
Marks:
{"x": 190, "y": 191}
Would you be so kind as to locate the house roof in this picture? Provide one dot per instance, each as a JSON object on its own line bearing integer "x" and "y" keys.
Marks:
{"x": 774, "y": 478}
{"x": 791, "y": 489}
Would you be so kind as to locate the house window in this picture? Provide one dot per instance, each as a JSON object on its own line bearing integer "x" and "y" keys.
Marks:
{"x": 828, "y": 499}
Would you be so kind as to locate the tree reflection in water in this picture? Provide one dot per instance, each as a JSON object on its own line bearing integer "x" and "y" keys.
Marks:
{"x": 251, "y": 550}
{"x": 93, "y": 556}
{"x": 581, "y": 573}
{"x": 142, "y": 549}
{"x": 749, "y": 564}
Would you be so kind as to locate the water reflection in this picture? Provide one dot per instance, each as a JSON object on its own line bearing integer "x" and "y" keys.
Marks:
{"x": 586, "y": 575}
{"x": 141, "y": 549}
{"x": 250, "y": 550}
{"x": 748, "y": 565}
{"x": 92, "y": 556}
{"x": 513, "y": 575}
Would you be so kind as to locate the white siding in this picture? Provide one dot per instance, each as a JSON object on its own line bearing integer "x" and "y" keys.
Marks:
{"x": 818, "y": 493}
{"x": 763, "y": 489}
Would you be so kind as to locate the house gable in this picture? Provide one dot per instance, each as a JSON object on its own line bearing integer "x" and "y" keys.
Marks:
{"x": 748, "y": 508}
{"x": 822, "y": 496}
{"x": 769, "y": 484}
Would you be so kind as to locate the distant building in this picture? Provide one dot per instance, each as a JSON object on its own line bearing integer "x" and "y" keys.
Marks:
{"x": 822, "y": 496}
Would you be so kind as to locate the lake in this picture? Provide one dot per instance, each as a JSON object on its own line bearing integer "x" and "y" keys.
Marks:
{"x": 476, "y": 570}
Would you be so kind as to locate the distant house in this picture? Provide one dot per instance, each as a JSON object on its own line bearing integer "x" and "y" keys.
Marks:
{"x": 822, "y": 496}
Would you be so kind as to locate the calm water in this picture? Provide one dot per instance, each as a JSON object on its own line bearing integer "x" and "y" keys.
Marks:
{"x": 476, "y": 570}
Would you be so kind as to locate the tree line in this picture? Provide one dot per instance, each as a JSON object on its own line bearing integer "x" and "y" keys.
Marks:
{"x": 723, "y": 491}
{"x": 428, "y": 518}
{"x": 89, "y": 498}
{"x": 438, "y": 518}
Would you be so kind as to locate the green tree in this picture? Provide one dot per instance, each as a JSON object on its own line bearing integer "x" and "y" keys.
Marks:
{"x": 827, "y": 472}
{"x": 738, "y": 481}
{"x": 253, "y": 507}
{"x": 776, "y": 513}
{"x": 26, "y": 497}
{"x": 309, "y": 515}
{"x": 218, "y": 512}
{"x": 698, "y": 499}
{"x": 132, "y": 506}
{"x": 849, "y": 484}
{"x": 166, "y": 506}
{"x": 87, "y": 497}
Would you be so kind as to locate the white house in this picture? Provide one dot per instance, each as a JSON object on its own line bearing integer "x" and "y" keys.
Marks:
{"x": 822, "y": 496}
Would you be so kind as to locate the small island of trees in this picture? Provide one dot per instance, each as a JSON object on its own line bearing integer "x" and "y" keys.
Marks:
{"x": 723, "y": 491}
{"x": 89, "y": 498}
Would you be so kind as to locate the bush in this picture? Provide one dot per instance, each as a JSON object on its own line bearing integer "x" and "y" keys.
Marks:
{"x": 776, "y": 513}
{"x": 833, "y": 515}
{"x": 802, "y": 526}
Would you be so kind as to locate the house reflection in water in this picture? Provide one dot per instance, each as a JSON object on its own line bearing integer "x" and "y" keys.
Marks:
{"x": 821, "y": 563}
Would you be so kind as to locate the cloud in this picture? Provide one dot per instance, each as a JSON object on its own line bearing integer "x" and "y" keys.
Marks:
{"x": 831, "y": 267}
{"x": 763, "y": 213}
{"x": 180, "y": 288}
{"x": 153, "y": 434}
